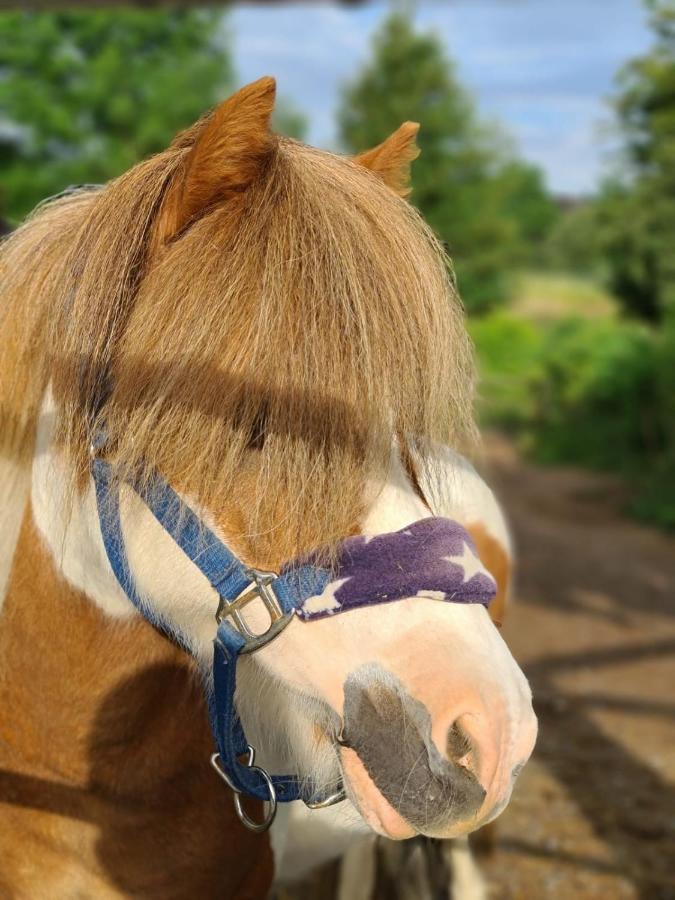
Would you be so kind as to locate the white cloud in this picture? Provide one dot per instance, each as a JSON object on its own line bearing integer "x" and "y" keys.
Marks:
{"x": 543, "y": 69}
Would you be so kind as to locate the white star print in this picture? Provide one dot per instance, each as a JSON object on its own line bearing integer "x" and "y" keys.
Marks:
{"x": 325, "y": 602}
{"x": 468, "y": 562}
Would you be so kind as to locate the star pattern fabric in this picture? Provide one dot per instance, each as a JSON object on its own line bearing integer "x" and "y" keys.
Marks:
{"x": 433, "y": 557}
{"x": 469, "y": 562}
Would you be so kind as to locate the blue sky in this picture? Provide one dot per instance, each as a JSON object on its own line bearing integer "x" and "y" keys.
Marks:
{"x": 543, "y": 68}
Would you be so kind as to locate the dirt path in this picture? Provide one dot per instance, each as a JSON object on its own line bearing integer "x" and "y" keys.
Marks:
{"x": 593, "y": 625}
{"x": 594, "y": 628}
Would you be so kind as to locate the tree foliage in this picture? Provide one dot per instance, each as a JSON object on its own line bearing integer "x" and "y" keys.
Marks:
{"x": 637, "y": 213}
{"x": 480, "y": 200}
{"x": 573, "y": 244}
{"x": 525, "y": 199}
{"x": 85, "y": 93}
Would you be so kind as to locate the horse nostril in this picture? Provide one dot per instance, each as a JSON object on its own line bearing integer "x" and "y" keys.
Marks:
{"x": 459, "y": 747}
{"x": 391, "y": 733}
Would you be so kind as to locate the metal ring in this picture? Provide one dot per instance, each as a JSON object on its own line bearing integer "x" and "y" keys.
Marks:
{"x": 223, "y": 774}
{"x": 258, "y": 827}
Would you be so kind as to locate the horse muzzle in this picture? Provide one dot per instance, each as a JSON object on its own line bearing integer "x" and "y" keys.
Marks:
{"x": 402, "y": 782}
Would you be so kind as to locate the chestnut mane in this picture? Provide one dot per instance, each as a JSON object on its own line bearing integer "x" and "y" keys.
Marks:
{"x": 285, "y": 336}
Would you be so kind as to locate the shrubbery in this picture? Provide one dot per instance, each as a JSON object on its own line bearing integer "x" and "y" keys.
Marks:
{"x": 599, "y": 390}
{"x": 600, "y": 393}
{"x": 510, "y": 353}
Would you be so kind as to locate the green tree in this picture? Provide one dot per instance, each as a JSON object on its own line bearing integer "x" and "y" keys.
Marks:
{"x": 573, "y": 244}
{"x": 638, "y": 213}
{"x": 525, "y": 199}
{"x": 85, "y": 93}
{"x": 459, "y": 182}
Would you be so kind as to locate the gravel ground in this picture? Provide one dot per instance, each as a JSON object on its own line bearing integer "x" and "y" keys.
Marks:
{"x": 594, "y": 629}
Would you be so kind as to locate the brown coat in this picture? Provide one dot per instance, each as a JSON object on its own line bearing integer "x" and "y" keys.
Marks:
{"x": 104, "y": 731}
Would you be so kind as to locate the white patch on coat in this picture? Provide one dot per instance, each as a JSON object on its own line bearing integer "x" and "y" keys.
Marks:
{"x": 396, "y": 504}
{"x": 458, "y": 492}
{"x": 163, "y": 575}
{"x": 466, "y": 879}
{"x": 358, "y": 871}
{"x": 71, "y": 530}
{"x": 313, "y": 837}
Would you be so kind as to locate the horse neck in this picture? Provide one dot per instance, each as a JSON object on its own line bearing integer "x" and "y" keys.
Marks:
{"x": 103, "y": 703}
{"x": 104, "y": 748}
{"x": 14, "y": 487}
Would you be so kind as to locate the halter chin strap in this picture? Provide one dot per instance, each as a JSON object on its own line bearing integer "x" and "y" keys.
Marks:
{"x": 370, "y": 570}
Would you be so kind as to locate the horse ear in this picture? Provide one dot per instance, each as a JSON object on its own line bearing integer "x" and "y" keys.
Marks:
{"x": 392, "y": 158}
{"x": 227, "y": 156}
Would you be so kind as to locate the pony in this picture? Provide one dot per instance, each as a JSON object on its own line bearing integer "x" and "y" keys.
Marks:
{"x": 276, "y": 331}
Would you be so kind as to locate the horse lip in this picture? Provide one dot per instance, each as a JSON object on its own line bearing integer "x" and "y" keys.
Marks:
{"x": 380, "y": 815}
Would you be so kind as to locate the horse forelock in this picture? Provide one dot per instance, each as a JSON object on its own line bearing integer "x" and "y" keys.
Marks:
{"x": 268, "y": 352}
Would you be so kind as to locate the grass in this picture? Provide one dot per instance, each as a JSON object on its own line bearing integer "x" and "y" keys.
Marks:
{"x": 510, "y": 342}
{"x": 548, "y": 297}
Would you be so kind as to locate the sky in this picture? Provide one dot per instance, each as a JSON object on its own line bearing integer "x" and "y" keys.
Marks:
{"x": 543, "y": 69}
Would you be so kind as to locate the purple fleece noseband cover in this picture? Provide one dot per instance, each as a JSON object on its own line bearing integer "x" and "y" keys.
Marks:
{"x": 434, "y": 558}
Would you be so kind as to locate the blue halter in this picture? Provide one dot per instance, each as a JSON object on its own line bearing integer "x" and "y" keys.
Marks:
{"x": 424, "y": 544}
{"x": 236, "y": 585}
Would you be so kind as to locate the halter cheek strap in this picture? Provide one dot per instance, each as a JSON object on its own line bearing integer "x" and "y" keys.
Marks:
{"x": 433, "y": 558}
{"x": 236, "y": 585}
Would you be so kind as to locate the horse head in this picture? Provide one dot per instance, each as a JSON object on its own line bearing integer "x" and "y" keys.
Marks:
{"x": 275, "y": 330}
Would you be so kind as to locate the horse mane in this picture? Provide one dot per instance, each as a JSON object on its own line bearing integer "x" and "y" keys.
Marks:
{"x": 267, "y": 355}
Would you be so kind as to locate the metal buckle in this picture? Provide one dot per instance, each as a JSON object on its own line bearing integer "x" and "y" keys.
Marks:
{"x": 257, "y": 827}
{"x": 261, "y": 588}
{"x": 337, "y": 797}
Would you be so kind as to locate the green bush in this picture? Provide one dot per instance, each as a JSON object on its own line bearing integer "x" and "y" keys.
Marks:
{"x": 656, "y": 498}
{"x": 595, "y": 395}
{"x": 509, "y": 351}
{"x": 599, "y": 393}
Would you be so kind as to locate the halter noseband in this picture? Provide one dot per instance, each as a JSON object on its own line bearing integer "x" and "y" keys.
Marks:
{"x": 424, "y": 559}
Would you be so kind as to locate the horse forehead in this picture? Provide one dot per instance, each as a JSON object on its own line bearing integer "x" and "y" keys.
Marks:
{"x": 394, "y": 503}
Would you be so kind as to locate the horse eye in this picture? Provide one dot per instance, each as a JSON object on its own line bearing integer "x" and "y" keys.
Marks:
{"x": 258, "y": 431}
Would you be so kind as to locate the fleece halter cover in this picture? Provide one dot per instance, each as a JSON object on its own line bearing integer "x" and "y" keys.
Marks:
{"x": 433, "y": 558}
